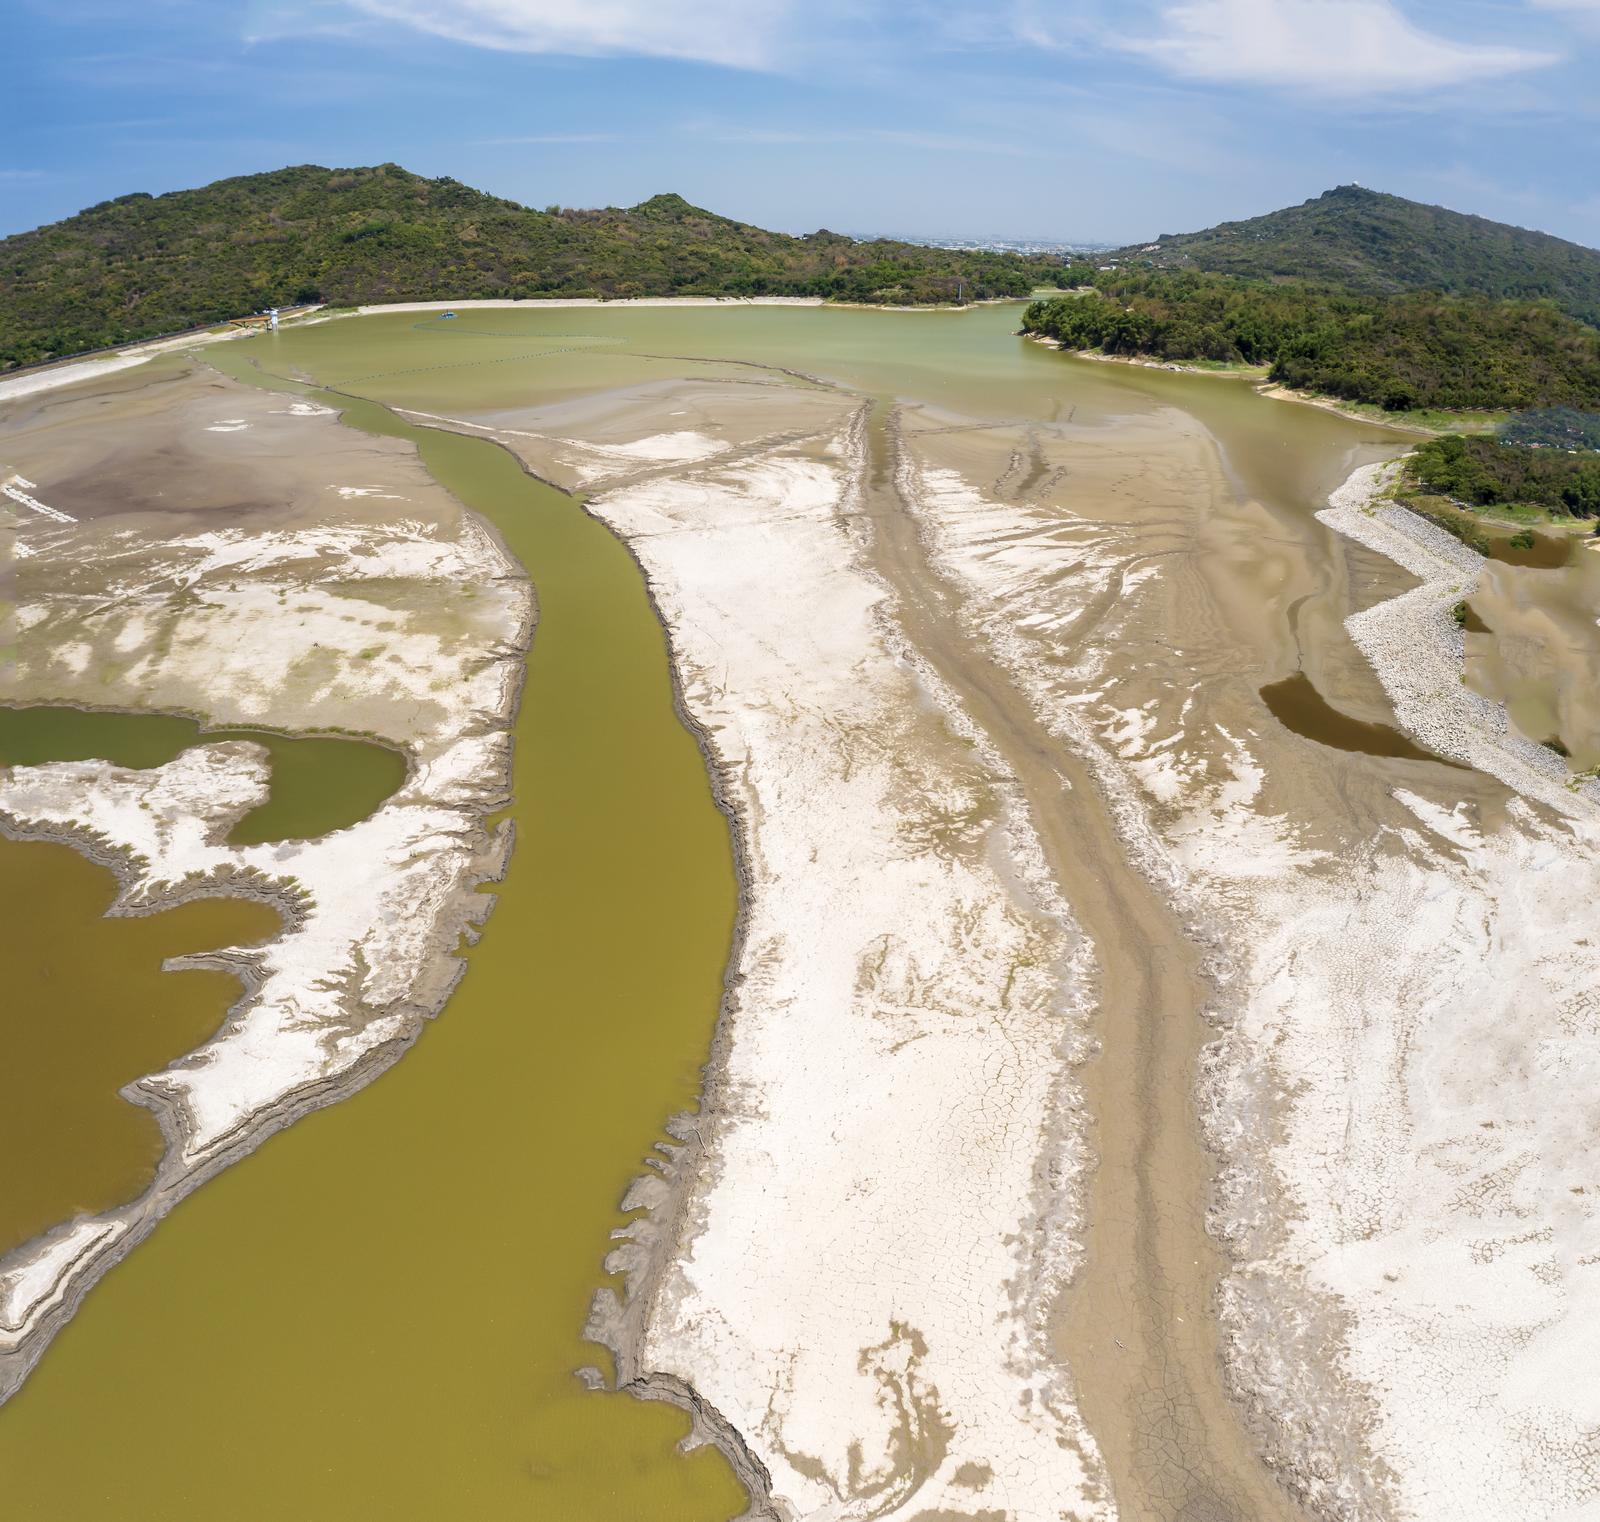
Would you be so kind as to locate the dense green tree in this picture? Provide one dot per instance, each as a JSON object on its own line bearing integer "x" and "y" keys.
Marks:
{"x": 1555, "y": 428}
{"x": 143, "y": 265}
{"x": 1363, "y": 240}
{"x": 1485, "y": 473}
{"x": 1417, "y": 349}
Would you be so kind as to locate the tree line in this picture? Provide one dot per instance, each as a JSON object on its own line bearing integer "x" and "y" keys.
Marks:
{"x": 1398, "y": 352}
{"x": 1486, "y": 473}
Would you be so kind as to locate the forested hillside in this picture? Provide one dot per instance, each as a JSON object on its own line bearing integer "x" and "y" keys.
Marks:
{"x": 1486, "y": 473}
{"x": 1364, "y": 240}
{"x": 1415, "y": 350}
{"x": 142, "y": 265}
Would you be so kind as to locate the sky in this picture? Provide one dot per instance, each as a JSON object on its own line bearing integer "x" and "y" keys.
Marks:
{"x": 1080, "y": 120}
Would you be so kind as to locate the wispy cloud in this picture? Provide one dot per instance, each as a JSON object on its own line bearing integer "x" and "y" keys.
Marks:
{"x": 22, "y": 174}
{"x": 743, "y": 34}
{"x": 1324, "y": 47}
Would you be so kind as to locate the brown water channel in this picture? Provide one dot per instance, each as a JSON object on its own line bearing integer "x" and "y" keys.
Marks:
{"x": 378, "y": 1313}
{"x": 1296, "y": 704}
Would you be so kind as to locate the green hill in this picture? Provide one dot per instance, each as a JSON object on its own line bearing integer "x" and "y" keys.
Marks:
{"x": 142, "y": 265}
{"x": 1363, "y": 240}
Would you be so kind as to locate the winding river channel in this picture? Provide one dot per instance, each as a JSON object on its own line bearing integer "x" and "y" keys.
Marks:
{"x": 378, "y": 1314}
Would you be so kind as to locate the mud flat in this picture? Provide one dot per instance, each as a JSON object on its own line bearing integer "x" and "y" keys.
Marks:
{"x": 845, "y": 1267}
{"x": 242, "y": 558}
{"x": 1123, "y": 1104}
{"x": 1401, "y": 979}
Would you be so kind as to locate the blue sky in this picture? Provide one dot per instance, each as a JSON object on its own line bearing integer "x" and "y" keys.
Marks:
{"x": 1091, "y": 119}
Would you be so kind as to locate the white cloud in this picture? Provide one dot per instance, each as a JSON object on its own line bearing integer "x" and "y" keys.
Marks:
{"x": 741, "y": 33}
{"x": 1326, "y": 47}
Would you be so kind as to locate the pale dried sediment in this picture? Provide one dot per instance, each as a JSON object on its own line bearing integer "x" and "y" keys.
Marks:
{"x": 654, "y": 427}
{"x": 1402, "y": 1093}
{"x": 410, "y": 628}
{"x": 1416, "y": 647}
{"x": 1416, "y": 1036}
{"x": 1041, "y": 570}
{"x": 71, "y": 372}
{"x": 889, "y": 1155}
{"x": 583, "y": 462}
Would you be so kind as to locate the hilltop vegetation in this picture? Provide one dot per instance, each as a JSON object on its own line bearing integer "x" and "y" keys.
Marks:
{"x": 1363, "y": 240}
{"x": 142, "y": 265}
{"x": 1396, "y": 352}
{"x": 1484, "y": 473}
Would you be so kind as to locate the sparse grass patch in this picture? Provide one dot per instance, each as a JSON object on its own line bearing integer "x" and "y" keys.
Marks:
{"x": 1442, "y": 512}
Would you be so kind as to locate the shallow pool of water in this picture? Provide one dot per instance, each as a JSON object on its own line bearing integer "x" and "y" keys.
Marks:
{"x": 1546, "y": 552}
{"x": 319, "y": 783}
{"x": 1297, "y": 705}
{"x": 86, "y": 1009}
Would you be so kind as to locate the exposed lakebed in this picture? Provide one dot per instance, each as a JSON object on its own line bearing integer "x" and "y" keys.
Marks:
{"x": 388, "y": 1298}
{"x": 89, "y": 1008}
{"x": 319, "y": 783}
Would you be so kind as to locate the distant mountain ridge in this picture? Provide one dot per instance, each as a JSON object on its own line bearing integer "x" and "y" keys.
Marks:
{"x": 1369, "y": 241}
{"x": 141, "y": 265}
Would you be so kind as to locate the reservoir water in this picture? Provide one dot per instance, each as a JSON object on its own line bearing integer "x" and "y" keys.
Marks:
{"x": 319, "y": 783}
{"x": 87, "y": 1009}
{"x": 378, "y": 1313}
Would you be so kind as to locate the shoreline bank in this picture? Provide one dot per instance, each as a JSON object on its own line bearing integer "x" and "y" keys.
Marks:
{"x": 1418, "y": 651}
{"x": 1256, "y": 375}
{"x": 374, "y": 913}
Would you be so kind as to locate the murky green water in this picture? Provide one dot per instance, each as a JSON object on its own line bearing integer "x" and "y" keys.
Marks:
{"x": 377, "y": 1314}
{"x": 86, "y": 1009}
{"x": 319, "y": 783}
{"x": 1547, "y": 552}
